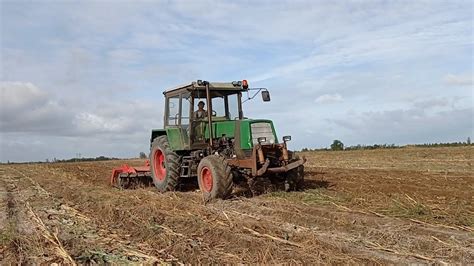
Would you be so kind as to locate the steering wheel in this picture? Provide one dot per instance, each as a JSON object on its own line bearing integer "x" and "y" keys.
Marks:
{"x": 214, "y": 113}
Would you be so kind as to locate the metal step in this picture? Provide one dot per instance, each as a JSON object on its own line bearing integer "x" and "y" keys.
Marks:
{"x": 185, "y": 166}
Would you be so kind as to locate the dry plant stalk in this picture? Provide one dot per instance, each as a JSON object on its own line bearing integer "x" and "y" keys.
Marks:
{"x": 51, "y": 237}
{"x": 150, "y": 259}
{"x": 465, "y": 228}
{"x": 169, "y": 230}
{"x": 418, "y": 256}
{"x": 273, "y": 238}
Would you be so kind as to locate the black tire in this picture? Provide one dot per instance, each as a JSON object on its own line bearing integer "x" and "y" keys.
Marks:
{"x": 295, "y": 178}
{"x": 164, "y": 170}
{"x": 221, "y": 182}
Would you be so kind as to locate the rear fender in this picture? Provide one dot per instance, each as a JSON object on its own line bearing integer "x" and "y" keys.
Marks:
{"x": 156, "y": 133}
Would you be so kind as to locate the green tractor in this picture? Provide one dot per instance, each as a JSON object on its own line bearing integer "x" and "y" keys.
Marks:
{"x": 206, "y": 136}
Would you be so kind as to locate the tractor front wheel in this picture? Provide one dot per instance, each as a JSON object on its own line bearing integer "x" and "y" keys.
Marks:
{"x": 214, "y": 178}
{"x": 295, "y": 179}
{"x": 164, "y": 164}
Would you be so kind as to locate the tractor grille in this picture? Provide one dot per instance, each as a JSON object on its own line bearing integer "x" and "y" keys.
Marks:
{"x": 262, "y": 129}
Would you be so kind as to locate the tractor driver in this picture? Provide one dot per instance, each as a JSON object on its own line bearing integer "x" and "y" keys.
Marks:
{"x": 200, "y": 112}
{"x": 199, "y": 125}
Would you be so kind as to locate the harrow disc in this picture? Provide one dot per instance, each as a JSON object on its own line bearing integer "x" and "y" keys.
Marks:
{"x": 127, "y": 177}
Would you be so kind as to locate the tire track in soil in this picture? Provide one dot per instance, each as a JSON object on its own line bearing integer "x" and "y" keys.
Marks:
{"x": 19, "y": 235}
{"x": 216, "y": 232}
{"x": 8, "y": 222}
{"x": 203, "y": 235}
{"x": 66, "y": 228}
{"x": 386, "y": 238}
{"x": 251, "y": 239}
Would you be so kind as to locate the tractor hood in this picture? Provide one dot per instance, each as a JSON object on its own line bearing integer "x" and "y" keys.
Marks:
{"x": 245, "y": 132}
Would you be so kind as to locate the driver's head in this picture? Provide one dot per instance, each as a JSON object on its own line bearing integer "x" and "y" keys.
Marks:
{"x": 201, "y": 104}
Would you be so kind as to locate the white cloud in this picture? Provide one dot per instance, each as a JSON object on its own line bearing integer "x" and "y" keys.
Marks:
{"x": 35, "y": 123}
{"x": 96, "y": 76}
{"x": 411, "y": 125}
{"x": 90, "y": 123}
{"x": 125, "y": 56}
{"x": 329, "y": 98}
{"x": 356, "y": 37}
{"x": 27, "y": 108}
{"x": 15, "y": 96}
{"x": 437, "y": 103}
{"x": 458, "y": 80}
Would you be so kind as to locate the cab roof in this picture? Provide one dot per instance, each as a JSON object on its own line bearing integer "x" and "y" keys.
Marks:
{"x": 234, "y": 86}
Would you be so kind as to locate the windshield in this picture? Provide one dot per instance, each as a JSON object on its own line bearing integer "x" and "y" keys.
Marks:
{"x": 226, "y": 107}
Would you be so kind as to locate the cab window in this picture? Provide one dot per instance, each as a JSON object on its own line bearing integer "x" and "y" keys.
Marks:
{"x": 218, "y": 106}
{"x": 173, "y": 111}
{"x": 185, "y": 107}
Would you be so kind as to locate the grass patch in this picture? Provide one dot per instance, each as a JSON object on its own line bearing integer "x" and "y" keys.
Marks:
{"x": 464, "y": 220}
{"x": 463, "y": 214}
{"x": 310, "y": 196}
{"x": 6, "y": 237}
{"x": 102, "y": 257}
{"x": 407, "y": 208}
{"x": 411, "y": 209}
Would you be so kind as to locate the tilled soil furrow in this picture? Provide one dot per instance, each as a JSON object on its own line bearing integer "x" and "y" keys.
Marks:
{"x": 8, "y": 221}
{"x": 357, "y": 231}
{"x": 361, "y": 213}
{"x": 201, "y": 231}
{"x": 312, "y": 244}
{"x": 23, "y": 240}
{"x": 72, "y": 234}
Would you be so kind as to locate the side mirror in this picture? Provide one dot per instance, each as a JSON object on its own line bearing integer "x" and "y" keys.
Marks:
{"x": 266, "y": 96}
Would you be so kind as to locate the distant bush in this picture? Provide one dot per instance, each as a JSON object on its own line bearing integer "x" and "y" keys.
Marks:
{"x": 90, "y": 159}
{"x": 447, "y": 144}
{"x": 372, "y": 147}
{"x": 337, "y": 145}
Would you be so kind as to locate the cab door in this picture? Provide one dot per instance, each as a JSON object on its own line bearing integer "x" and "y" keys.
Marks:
{"x": 177, "y": 121}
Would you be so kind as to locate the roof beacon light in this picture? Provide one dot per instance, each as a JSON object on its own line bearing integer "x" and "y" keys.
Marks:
{"x": 237, "y": 83}
{"x": 245, "y": 84}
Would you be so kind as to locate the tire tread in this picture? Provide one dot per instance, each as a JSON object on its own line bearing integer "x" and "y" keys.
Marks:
{"x": 223, "y": 176}
{"x": 172, "y": 164}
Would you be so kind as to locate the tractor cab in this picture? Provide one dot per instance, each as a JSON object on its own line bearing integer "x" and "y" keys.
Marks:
{"x": 201, "y": 109}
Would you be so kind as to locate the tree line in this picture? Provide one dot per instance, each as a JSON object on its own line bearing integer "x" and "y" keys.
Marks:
{"x": 82, "y": 159}
{"x": 337, "y": 145}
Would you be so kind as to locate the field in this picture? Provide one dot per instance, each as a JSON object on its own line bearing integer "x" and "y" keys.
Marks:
{"x": 410, "y": 205}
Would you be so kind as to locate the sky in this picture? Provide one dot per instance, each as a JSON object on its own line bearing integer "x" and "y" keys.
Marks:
{"x": 87, "y": 77}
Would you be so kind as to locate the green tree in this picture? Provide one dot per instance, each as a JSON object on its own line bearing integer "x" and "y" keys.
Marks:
{"x": 337, "y": 145}
{"x": 468, "y": 140}
{"x": 143, "y": 155}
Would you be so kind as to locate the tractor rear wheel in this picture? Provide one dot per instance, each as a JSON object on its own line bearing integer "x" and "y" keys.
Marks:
{"x": 164, "y": 164}
{"x": 214, "y": 177}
